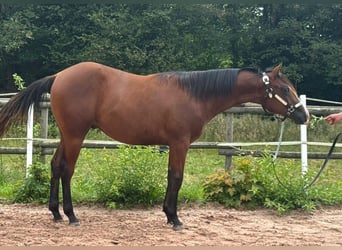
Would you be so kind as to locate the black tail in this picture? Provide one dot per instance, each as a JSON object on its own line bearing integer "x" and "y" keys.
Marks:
{"x": 15, "y": 110}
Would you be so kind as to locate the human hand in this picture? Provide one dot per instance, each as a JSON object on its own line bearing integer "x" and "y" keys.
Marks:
{"x": 333, "y": 118}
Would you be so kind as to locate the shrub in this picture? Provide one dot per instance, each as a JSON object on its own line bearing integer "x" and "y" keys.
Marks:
{"x": 137, "y": 175}
{"x": 258, "y": 182}
{"x": 34, "y": 188}
{"x": 134, "y": 176}
{"x": 233, "y": 188}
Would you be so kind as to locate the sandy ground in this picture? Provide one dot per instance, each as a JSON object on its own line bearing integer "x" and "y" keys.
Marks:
{"x": 29, "y": 225}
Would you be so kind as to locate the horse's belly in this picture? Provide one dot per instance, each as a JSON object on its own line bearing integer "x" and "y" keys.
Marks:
{"x": 134, "y": 135}
{"x": 132, "y": 128}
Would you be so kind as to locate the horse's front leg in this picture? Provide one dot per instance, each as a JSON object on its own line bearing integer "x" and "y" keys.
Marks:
{"x": 174, "y": 181}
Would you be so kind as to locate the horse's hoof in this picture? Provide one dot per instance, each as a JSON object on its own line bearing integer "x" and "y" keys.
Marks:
{"x": 75, "y": 223}
{"x": 178, "y": 227}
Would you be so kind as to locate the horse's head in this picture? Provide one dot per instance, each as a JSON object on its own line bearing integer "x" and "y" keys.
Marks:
{"x": 281, "y": 97}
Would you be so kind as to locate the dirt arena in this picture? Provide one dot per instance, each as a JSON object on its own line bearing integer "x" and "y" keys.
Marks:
{"x": 29, "y": 225}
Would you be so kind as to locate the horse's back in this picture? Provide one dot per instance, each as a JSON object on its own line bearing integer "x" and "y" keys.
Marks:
{"x": 130, "y": 108}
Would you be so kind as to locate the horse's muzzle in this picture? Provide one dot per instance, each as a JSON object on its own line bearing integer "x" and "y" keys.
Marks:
{"x": 301, "y": 116}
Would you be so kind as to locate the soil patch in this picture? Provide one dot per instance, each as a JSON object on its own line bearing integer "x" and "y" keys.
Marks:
{"x": 30, "y": 225}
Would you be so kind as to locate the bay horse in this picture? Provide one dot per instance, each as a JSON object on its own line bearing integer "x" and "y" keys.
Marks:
{"x": 169, "y": 108}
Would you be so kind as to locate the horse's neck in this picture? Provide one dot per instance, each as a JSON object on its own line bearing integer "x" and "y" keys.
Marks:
{"x": 248, "y": 89}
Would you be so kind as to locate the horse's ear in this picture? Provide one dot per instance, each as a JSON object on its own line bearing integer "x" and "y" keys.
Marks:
{"x": 276, "y": 70}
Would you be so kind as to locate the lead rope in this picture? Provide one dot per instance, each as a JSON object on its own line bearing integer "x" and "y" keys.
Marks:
{"x": 277, "y": 152}
{"x": 331, "y": 150}
{"x": 279, "y": 141}
{"x": 325, "y": 162}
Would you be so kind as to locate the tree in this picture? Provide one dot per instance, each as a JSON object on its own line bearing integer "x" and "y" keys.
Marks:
{"x": 38, "y": 40}
{"x": 16, "y": 32}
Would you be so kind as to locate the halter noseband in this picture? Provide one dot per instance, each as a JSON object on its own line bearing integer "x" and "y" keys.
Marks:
{"x": 270, "y": 94}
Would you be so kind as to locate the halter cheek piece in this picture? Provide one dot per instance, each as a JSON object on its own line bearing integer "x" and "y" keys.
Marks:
{"x": 270, "y": 94}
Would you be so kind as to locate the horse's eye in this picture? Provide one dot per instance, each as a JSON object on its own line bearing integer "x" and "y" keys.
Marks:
{"x": 285, "y": 90}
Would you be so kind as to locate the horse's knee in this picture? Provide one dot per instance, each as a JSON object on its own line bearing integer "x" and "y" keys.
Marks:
{"x": 174, "y": 180}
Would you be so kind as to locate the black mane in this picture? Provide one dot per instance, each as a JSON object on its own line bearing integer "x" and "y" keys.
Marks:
{"x": 209, "y": 83}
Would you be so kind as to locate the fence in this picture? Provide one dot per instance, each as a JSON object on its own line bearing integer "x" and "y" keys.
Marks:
{"x": 44, "y": 146}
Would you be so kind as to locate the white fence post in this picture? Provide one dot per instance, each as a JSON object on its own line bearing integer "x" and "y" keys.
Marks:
{"x": 304, "y": 141}
{"x": 29, "y": 140}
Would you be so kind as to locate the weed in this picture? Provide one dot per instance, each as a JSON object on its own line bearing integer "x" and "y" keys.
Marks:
{"x": 18, "y": 81}
{"x": 34, "y": 188}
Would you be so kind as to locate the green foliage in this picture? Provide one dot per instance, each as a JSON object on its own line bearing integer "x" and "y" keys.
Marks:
{"x": 289, "y": 193}
{"x": 315, "y": 120}
{"x": 38, "y": 40}
{"x": 16, "y": 30}
{"x": 137, "y": 175}
{"x": 18, "y": 81}
{"x": 258, "y": 182}
{"x": 34, "y": 188}
{"x": 232, "y": 188}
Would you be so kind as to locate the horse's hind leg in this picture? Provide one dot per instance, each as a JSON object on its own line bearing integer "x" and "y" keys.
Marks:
{"x": 57, "y": 163}
{"x": 62, "y": 167}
